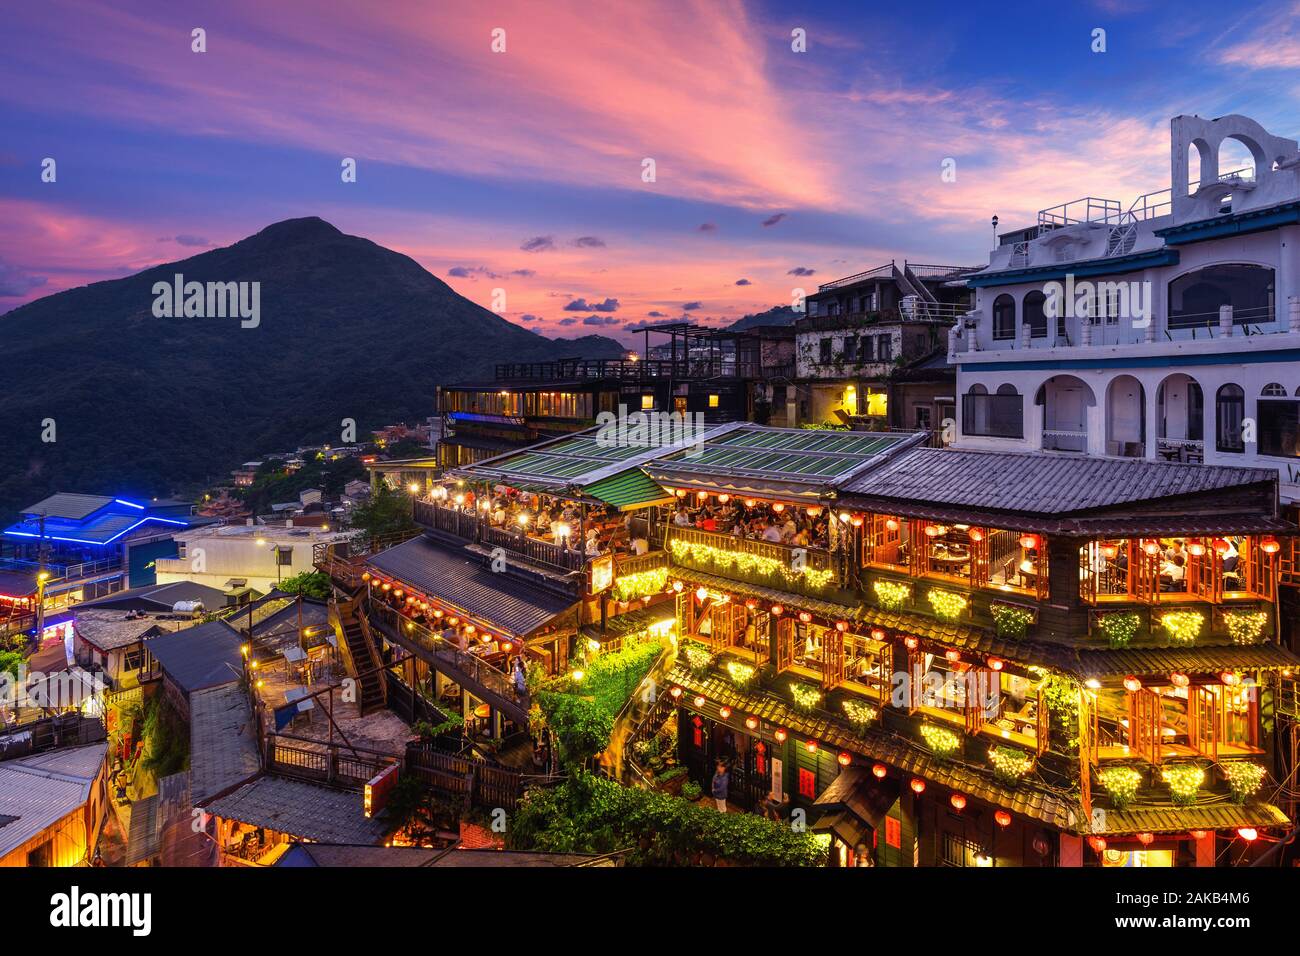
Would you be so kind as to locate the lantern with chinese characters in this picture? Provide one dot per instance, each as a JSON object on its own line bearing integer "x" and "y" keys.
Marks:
{"x": 805, "y": 616}
{"x": 1269, "y": 545}
{"x": 880, "y": 771}
{"x": 1146, "y": 839}
{"x": 777, "y": 610}
{"x": 811, "y": 746}
{"x": 1195, "y": 548}
{"x": 1179, "y": 680}
{"x": 1132, "y": 684}
{"x": 724, "y": 711}
{"x": 1029, "y": 541}
{"x": 780, "y": 734}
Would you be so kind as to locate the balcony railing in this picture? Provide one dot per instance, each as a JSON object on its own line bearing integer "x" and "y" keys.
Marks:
{"x": 780, "y": 566}
{"x": 1065, "y": 439}
{"x": 470, "y": 526}
{"x": 62, "y": 571}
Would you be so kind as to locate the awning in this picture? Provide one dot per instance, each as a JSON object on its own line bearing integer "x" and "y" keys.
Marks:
{"x": 1220, "y": 816}
{"x": 631, "y": 490}
{"x": 853, "y": 805}
{"x": 507, "y": 604}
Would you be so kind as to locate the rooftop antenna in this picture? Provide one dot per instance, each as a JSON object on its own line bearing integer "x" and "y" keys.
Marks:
{"x": 995, "y": 232}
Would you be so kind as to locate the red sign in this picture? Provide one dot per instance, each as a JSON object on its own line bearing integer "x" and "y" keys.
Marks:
{"x": 893, "y": 832}
{"x": 378, "y": 789}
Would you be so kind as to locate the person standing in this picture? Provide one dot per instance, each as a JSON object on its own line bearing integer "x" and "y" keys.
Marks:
{"x": 721, "y": 783}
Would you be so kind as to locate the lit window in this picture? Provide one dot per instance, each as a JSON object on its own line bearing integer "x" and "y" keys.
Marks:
{"x": 713, "y": 401}
{"x": 877, "y": 404}
{"x": 647, "y": 402}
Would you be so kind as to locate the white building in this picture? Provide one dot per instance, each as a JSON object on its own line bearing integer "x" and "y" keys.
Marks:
{"x": 230, "y": 557}
{"x": 1179, "y": 335}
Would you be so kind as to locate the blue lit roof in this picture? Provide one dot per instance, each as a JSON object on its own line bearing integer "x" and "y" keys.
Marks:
{"x": 84, "y": 519}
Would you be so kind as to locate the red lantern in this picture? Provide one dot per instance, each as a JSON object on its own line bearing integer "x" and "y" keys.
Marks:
{"x": 856, "y": 521}
{"x": 751, "y": 603}
{"x": 1151, "y": 546}
{"x": 1221, "y": 546}
{"x": 1199, "y": 834}
{"x": 1229, "y": 678}
{"x": 700, "y": 701}
{"x": 814, "y": 510}
{"x": 958, "y": 801}
{"x": 805, "y": 616}
{"x": 1098, "y": 844}
{"x": 780, "y": 734}
{"x": 1196, "y": 549}
{"x": 777, "y": 610}
{"x": 677, "y": 586}
{"x": 1029, "y": 541}
{"x": 676, "y": 692}
{"x": 811, "y": 746}
{"x": 1146, "y": 839}
{"x": 1002, "y": 818}
{"x": 845, "y": 758}
{"x": 918, "y": 785}
{"x": 976, "y": 535}
{"x": 891, "y": 524}
{"x": 1179, "y": 680}
{"x": 877, "y": 633}
{"x": 841, "y": 626}
{"x": 932, "y": 531}
{"x": 911, "y": 642}
{"x": 778, "y": 507}
{"x": 995, "y": 663}
{"x": 953, "y": 656}
{"x": 751, "y": 722}
{"x": 1269, "y": 545}
{"x": 1249, "y": 834}
{"x": 880, "y": 771}
{"x": 724, "y": 711}
{"x": 1132, "y": 684}
{"x": 1110, "y": 551}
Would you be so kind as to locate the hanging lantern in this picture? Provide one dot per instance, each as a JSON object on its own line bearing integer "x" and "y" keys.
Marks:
{"x": 702, "y": 495}
{"x": 953, "y": 656}
{"x": 750, "y": 502}
{"x": 880, "y": 771}
{"x": 387, "y": 586}
{"x": 1269, "y": 545}
{"x": 680, "y": 492}
{"x": 751, "y": 722}
{"x": 1132, "y": 684}
{"x": 723, "y": 498}
{"x": 453, "y": 621}
{"x": 365, "y": 576}
{"x": 1110, "y": 551}
{"x": 1002, "y": 818}
{"x": 805, "y": 616}
{"x": 1098, "y": 844}
{"x": 845, "y": 758}
{"x": 777, "y": 610}
{"x": 1221, "y": 546}
{"x": 1029, "y": 541}
{"x": 813, "y": 510}
{"x": 507, "y": 647}
{"x": 1196, "y": 549}
{"x": 917, "y": 785}
{"x": 891, "y": 524}
{"x": 958, "y": 801}
{"x": 841, "y": 626}
{"x": 780, "y": 734}
{"x": 844, "y": 517}
{"x": 1228, "y": 677}
{"x": 751, "y": 603}
{"x": 701, "y": 593}
{"x": 995, "y": 663}
{"x": 700, "y": 701}
{"x": 1151, "y": 546}
{"x": 1199, "y": 834}
{"x": 677, "y": 586}
{"x": 724, "y": 711}
{"x": 912, "y": 643}
{"x": 1146, "y": 839}
{"x": 811, "y": 746}
{"x": 1249, "y": 834}
{"x": 976, "y": 535}
{"x": 1179, "y": 680}
{"x": 438, "y": 612}
{"x": 932, "y": 531}
{"x": 676, "y": 692}
{"x": 877, "y": 633}
{"x": 856, "y": 521}
{"x": 410, "y": 599}
{"x": 398, "y": 593}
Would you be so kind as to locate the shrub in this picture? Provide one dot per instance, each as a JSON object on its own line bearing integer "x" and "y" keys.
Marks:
{"x": 1244, "y": 778}
{"x": 742, "y": 675}
{"x": 860, "y": 715}
{"x": 1245, "y": 627}
{"x": 1183, "y": 627}
{"x": 941, "y": 740}
{"x": 947, "y": 604}
{"x": 1010, "y": 620}
{"x": 698, "y": 657}
{"x": 891, "y": 595}
{"x": 691, "y": 791}
{"x": 805, "y": 696}
{"x": 1010, "y": 764}
{"x": 1121, "y": 783}
{"x": 1184, "y": 781}
{"x": 1119, "y": 627}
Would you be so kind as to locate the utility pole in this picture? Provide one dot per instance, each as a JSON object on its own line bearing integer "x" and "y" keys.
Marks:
{"x": 42, "y": 575}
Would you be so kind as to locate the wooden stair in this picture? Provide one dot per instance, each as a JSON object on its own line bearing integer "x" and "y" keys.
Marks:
{"x": 360, "y": 656}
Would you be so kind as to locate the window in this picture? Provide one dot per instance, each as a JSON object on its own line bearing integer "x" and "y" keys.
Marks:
{"x": 868, "y": 348}
{"x": 877, "y": 404}
{"x": 851, "y": 348}
{"x": 713, "y": 401}
{"x": 284, "y": 557}
{"x": 1035, "y": 316}
{"x": 996, "y": 416}
{"x": 921, "y": 417}
{"x": 1195, "y": 298}
{"x": 1004, "y": 317}
{"x": 1279, "y": 427}
{"x": 825, "y": 355}
{"x": 1229, "y": 410}
{"x": 884, "y": 348}
{"x": 647, "y": 402}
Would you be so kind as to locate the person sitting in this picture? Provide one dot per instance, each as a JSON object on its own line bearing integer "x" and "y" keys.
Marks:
{"x": 772, "y": 533}
{"x": 1174, "y": 572}
{"x": 593, "y": 543}
{"x": 801, "y": 538}
{"x": 682, "y": 519}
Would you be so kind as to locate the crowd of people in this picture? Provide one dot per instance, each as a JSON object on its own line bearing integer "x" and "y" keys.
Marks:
{"x": 774, "y": 523}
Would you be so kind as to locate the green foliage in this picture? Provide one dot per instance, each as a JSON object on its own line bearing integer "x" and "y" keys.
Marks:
{"x": 741, "y": 674}
{"x": 1121, "y": 783}
{"x": 860, "y": 715}
{"x": 890, "y": 595}
{"x": 804, "y": 696}
{"x": 1244, "y": 778}
{"x": 166, "y": 739}
{"x": 944, "y": 742}
{"x": 271, "y": 485}
{"x": 1183, "y": 627}
{"x": 698, "y": 657}
{"x": 628, "y": 587}
{"x": 1245, "y": 627}
{"x": 387, "y": 512}
{"x": 1062, "y": 697}
{"x": 588, "y": 814}
{"x": 428, "y": 731}
{"x": 313, "y": 584}
{"x": 1119, "y": 627}
{"x": 1184, "y": 781}
{"x": 1011, "y": 621}
{"x": 691, "y": 791}
{"x": 947, "y": 604}
{"x": 10, "y": 662}
{"x": 1010, "y": 763}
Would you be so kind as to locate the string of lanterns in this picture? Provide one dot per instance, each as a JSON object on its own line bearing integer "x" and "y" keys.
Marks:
{"x": 429, "y": 606}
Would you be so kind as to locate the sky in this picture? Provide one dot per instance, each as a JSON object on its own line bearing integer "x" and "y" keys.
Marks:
{"x": 525, "y": 168}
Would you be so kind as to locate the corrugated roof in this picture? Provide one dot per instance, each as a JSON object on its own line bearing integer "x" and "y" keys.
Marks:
{"x": 631, "y": 489}
{"x": 223, "y": 740}
{"x": 67, "y": 505}
{"x": 199, "y": 657}
{"x": 507, "y": 604}
{"x": 301, "y": 809}
{"x": 1046, "y": 483}
{"x": 39, "y": 790}
{"x": 162, "y": 597}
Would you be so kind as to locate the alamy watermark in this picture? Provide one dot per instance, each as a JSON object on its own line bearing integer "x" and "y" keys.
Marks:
{"x": 1089, "y": 300}
{"x": 651, "y": 429}
{"x": 208, "y": 300}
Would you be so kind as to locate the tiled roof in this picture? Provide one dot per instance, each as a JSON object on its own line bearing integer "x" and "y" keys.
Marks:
{"x": 160, "y": 597}
{"x": 830, "y": 609}
{"x": 223, "y": 740}
{"x": 505, "y": 603}
{"x": 110, "y": 630}
{"x": 1217, "y": 816}
{"x": 301, "y": 809}
{"x": 199, "y": 657}
{"x": 1040, "y": 482}
{"x": 1055, "y": 808}
{"x": 1107, "y": 662}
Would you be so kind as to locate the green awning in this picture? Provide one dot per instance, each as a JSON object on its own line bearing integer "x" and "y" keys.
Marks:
{"x": 628, "y": 490}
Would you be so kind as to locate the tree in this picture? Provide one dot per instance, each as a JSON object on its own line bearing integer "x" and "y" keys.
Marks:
{"x": 387, "y": 512}
{"x": 312, "y": 584}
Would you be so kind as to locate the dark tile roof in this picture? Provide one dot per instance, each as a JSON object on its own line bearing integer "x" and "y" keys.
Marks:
{"x": 303, "y": 810}
{"x": 1106, "y": 662}
{"x": 223, "y": 740}
{"x": 504, "y": 602}
{"x": 1053, "y": 807}
{"x": 1217, "y": 816}
{"x": 199, "y": 657}
{"x": 1040, "y": 482}
{"x": 160, "y": 597}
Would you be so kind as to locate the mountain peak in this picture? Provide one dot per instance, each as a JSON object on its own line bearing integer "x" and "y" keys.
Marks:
{"x": 304, "y": 228}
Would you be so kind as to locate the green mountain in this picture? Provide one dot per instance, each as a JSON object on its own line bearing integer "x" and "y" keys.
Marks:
{"x": 139, "y": 405}
{"x": 777, "y": 315}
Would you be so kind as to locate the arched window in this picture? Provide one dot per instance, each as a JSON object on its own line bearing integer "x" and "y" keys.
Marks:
{"x": 1004, "y": 317}
{"x": 1229, "y": 410}
{"x": 997, "y": 416}
{"x": 1034, "y": 316}
{"x": 1278, "y": 421}
{"x": 1273, "y": 390}
{"x": 1195, "y": 298}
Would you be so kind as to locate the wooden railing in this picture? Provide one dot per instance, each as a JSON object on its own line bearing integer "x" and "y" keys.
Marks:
{"x": 469, "y": 526}
{"x": 787, "y": 557}
{"x": 403, "y": 630}
{"x": 477, "y": 781}
{"x": 317, "y": 760}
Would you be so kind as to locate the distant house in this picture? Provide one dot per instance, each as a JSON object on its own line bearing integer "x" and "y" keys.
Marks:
{"x": 309, "y": 496}
{"x": 52, "y": 806}
{"x": 246, "y": 556}
{"x": 113, "y": 642}
{"x": 245, "y": 474}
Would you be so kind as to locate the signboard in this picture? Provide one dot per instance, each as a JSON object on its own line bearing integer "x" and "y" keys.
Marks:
{"x": 378, "y": 789}
{"x": 602, "y": 573}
